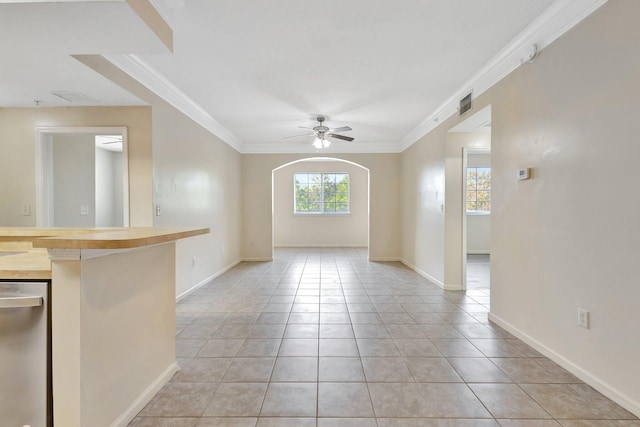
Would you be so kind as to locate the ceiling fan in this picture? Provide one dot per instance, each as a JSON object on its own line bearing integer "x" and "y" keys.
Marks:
{"x": 322, "y": 132}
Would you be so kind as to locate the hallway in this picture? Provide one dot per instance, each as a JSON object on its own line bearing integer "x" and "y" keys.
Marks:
{"x": 324, "y": 338}
{"x": 478, "y": 272}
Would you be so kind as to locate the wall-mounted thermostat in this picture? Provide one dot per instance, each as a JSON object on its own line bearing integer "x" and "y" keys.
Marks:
{"x": 524, "y": 173}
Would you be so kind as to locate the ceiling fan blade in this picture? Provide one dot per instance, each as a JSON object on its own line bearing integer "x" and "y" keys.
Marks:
{"x": 345, "y": 138}
{"x": 298, "y": 136}
{"x": 304, "y": 127}
{"x": 342, "y": 129}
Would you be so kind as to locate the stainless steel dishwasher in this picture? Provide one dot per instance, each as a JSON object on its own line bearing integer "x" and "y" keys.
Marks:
{"x": 25, "y": 356}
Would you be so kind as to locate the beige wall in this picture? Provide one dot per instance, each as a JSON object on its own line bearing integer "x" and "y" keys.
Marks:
{"x": 568, "y": 237}
{"x": 432, "y": 192}
{"x": 17, "y": 164}
{"x": 321, "y": 230}
{"x": 423, "y": 192}
{"x": 197, "y": 183}
{"x": 385, "y": 216}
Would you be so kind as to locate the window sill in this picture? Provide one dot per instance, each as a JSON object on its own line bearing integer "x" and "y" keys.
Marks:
{"x": 321, "y": 214}
{"x": 478, "y": 213}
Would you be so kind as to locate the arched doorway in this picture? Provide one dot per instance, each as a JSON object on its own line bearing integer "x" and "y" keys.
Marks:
{"x": 292, "y": 226}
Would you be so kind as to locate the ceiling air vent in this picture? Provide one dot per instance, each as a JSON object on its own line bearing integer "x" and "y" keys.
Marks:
{"x": 465, "y": 104}
{"x": 71, "y": 96}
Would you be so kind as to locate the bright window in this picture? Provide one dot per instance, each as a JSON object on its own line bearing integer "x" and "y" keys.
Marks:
{"x": 478, "y": 191}
{"x": 321, "y": 193}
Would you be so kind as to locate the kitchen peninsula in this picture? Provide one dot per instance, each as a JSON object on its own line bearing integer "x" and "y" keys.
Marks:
{"x": 112, "y": 314}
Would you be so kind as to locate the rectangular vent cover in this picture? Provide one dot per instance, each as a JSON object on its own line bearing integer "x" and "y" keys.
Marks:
{"x": 72, "y": 96}
{"x": 465, "y": 104}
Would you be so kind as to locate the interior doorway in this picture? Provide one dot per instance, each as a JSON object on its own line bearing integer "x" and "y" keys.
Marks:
{"x": 467, "y": 217}
{"x": 298, "y": 220}
{"x": 477, "y": 218}
{"x": 82, "y": 177}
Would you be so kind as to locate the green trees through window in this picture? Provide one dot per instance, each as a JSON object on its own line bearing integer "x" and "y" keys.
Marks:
{"x": 321, "y": 193}
{"x": 478, "y": 190}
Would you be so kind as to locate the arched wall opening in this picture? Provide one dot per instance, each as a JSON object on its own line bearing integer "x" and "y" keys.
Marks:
{"x": 320, "y": 230}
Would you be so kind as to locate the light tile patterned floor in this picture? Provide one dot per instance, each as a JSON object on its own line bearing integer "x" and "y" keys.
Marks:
{"x": 323, "y": 338}
{"x": 478, "y": 271}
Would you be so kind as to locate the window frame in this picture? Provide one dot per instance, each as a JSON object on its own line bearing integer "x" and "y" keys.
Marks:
{"x": 323, "y": 212}
{"x": 477, "y": 212}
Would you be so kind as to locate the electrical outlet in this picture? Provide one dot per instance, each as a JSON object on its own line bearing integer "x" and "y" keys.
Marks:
{"x": 583, "y": 318}
{"x": 84, "y": 210}
{"x": 157, "y": 210}
{"x": 26, "y": 210}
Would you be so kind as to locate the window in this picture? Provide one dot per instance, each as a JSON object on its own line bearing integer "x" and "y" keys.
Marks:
{"x": 321, "y": 193}
{"x": 478, "y": 191}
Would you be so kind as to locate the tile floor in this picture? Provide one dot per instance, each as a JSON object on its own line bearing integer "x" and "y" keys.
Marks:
{"x": 478, "y": 271}
{"x": 324, "y": 338}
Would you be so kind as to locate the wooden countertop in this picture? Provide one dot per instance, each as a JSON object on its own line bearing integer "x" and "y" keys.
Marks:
{"x": 26, "y": 266}
{"x": 119, "y": 238}
{"x": 35, "y": 264}
{"x": 11, "y": 233}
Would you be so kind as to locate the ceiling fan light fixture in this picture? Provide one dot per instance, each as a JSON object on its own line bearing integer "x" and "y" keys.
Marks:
{"x": 317, "y": 142}
{"x": 325, "y": 143}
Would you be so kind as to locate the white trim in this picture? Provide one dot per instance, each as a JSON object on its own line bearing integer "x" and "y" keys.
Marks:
{"x": 257, "y": 259}
{"x": 43, "y": 163}
{"x": 207, "y": 280}
{"x": 161, "y": 86}
{"x": 336, "y": 148}
{"x": 601, "y": 386}
{"x": 556, "y": 20}
{"x": 384, "y": 259}
{"x": 145, "y": 397}
{"x": 423, "y": 274}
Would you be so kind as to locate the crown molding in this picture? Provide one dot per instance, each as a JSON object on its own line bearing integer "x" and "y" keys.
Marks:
{"x": 556, "y": 20}
{"x": 167, "y": 8}
{"x": 158, "y": 84}
{"x": 308, "y": 148}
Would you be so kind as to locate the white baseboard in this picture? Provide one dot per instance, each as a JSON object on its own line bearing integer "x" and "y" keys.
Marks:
{"x": 479, "y": 252}
{"x": 319, "y": 245}
{"x": 130, "y": 413}
{"x": 604, "y": 388}
{"x": 207, "y": 280}
{"x": 385, "y": 259}
{"x": 257, "y": 259}
{"x": 424, "y": 274}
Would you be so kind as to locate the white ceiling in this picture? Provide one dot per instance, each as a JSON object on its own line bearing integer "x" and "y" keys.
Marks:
{"x": 261, "y": 69}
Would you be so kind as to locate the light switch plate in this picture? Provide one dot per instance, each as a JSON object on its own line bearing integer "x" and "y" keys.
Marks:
{"x": 84, "y": 210}
{"x": 583, "y": 318}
